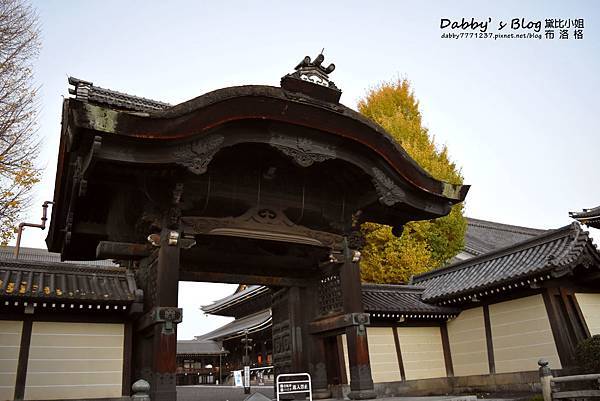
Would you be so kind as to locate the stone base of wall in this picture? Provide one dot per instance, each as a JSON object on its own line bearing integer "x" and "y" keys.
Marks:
{"x": 496, "y": 383}
{"x": 124, "y": 398}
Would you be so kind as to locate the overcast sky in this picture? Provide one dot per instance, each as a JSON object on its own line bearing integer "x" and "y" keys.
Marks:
{"x": 520, "y": 116}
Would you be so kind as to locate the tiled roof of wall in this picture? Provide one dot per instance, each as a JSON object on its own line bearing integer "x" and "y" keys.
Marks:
{"x": 550, "y": 255}
{"x": 49, "y": 281}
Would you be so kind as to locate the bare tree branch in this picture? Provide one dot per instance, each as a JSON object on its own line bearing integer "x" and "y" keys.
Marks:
{"x": 19, "y": 143}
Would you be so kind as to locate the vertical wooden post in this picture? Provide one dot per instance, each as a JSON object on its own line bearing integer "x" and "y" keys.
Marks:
{"x": 489, "y": 339}
{"x": 361, "y": 381}
{"x": 399, "y": 354}
{"x": 163, "y": 387}
{"x": 314, "y": 345}
{"x": 156, "y": 331}
{"x": 545, "y": 376}
{"x": 23, "y": 358}
{"x": 447, "y": 351}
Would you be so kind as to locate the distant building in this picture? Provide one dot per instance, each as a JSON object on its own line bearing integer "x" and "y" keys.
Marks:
{"x": 199, "y": 362}
{"x": 589, "y": 217}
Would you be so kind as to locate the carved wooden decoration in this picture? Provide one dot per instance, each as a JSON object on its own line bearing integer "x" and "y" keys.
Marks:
{"x": 303, "y": 151}
{"x": 389, "y": 192}
{"x": 197, "y": 155}
{"x": 261, "y": 223}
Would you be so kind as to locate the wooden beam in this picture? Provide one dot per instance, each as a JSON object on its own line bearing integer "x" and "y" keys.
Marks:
{"x": 342, "y": 361}
{"x": 23, "y": 358}
{"x": 446, "y": 348}
{"x": 336, "y": 323}
{"x": 127, "y": 356}
{"x": 236, "y": 278}
{"x": 122, "y": 250}
{"x": 488, "y": 338}
{"x": 399, "y": 354}
{"x": 559, "y": 327}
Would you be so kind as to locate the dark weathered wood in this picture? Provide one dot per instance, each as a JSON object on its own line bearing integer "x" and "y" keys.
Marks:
{"x": 580, "y": 317}
{"x": 399, "y": 354}
{"x": 576, "y": 394}
{"x": 446, "y": 348}
{"x": 559, "y": 329}
{"x": 23, "y": 358}
{"x": 122, "y": 250}
{"x": 341, "y": 360}
{"x": 224, "y": 277}
{"x": 335, "y": 323}
{"x": 361, "y": 381}
{"x": 127, "y": 358}
{"x": 488, "y": 339}
{"x": 575, "y": 378}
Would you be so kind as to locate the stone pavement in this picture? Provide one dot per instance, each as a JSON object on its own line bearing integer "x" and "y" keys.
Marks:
{"x": 226, "y": 393}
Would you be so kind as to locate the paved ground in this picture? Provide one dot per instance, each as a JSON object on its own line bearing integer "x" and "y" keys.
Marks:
{"x": 218, "y": 393}
{"x": 223, "y": 393}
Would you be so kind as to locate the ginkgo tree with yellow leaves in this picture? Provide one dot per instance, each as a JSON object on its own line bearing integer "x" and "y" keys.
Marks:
{"x": 19, "y": 144}
{"x": 423, "y": 245}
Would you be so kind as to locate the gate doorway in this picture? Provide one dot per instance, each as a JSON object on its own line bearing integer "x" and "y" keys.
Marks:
{"x": 253, "y": 184}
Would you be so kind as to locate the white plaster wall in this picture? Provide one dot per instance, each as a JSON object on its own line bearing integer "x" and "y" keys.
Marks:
{"x": 10, "y": 344}
{"x": 590, "y": 307}
{"x": 468, "y": 345}
{"x": 383, "y": 355}
{"x": 521, "y": 335}
{"x": 422, "y": 352}
{"x": 75, "y": 360}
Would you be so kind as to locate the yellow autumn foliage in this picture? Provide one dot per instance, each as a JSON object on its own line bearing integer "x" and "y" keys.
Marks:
{"x": 424, "y": 245}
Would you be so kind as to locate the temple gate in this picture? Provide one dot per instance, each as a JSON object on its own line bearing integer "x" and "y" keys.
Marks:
{"x": 250, "y": 184}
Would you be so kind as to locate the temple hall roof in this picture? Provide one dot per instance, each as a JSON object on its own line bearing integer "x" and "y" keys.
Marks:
{"x": 589, "y": 217}
{"x": 199, "y": 347}
{"x": 484, "y": 236}
{"x": 253, "y": 323}
{"x": 550, "y": 255}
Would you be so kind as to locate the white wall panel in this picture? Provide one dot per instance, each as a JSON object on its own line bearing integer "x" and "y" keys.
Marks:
{"x": 75, "y": 360}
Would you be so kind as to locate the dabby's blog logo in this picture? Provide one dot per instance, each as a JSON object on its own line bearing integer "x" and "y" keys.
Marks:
{"x": 514, "y": 28}
{"x": 465, "y": 24}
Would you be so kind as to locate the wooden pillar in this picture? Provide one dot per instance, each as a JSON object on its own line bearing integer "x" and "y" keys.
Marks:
{"x": 361, "y": 381}
{"x": 156, "y": 336}
{"x": 316, "y": 362}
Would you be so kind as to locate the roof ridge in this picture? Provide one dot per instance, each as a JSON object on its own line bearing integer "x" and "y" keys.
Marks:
{"x": 391, "y": 287}
{"x": 86, "y": 89}
{"x": 234, "y": 298}
{"x": 528, "y": 243}
{"x": 503, "y": 226}
{"x": 61, "y": 267}
{"x": 127, "y": 95}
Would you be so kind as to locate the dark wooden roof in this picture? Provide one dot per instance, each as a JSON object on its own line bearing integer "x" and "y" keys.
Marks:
{"x": 238, "y": 305}
{"x": 589, "y": 217}
{"x": 86, "y": 91}
{"x": 550, "y": 255}
{"x": 63, "y": 282}
{"x": 485, "y": 236}
{"x": 400, "y": 299}
{"x": 103, "y": 129}
{"x": 253, "y": 323}
{"x": 199, "y": 347}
